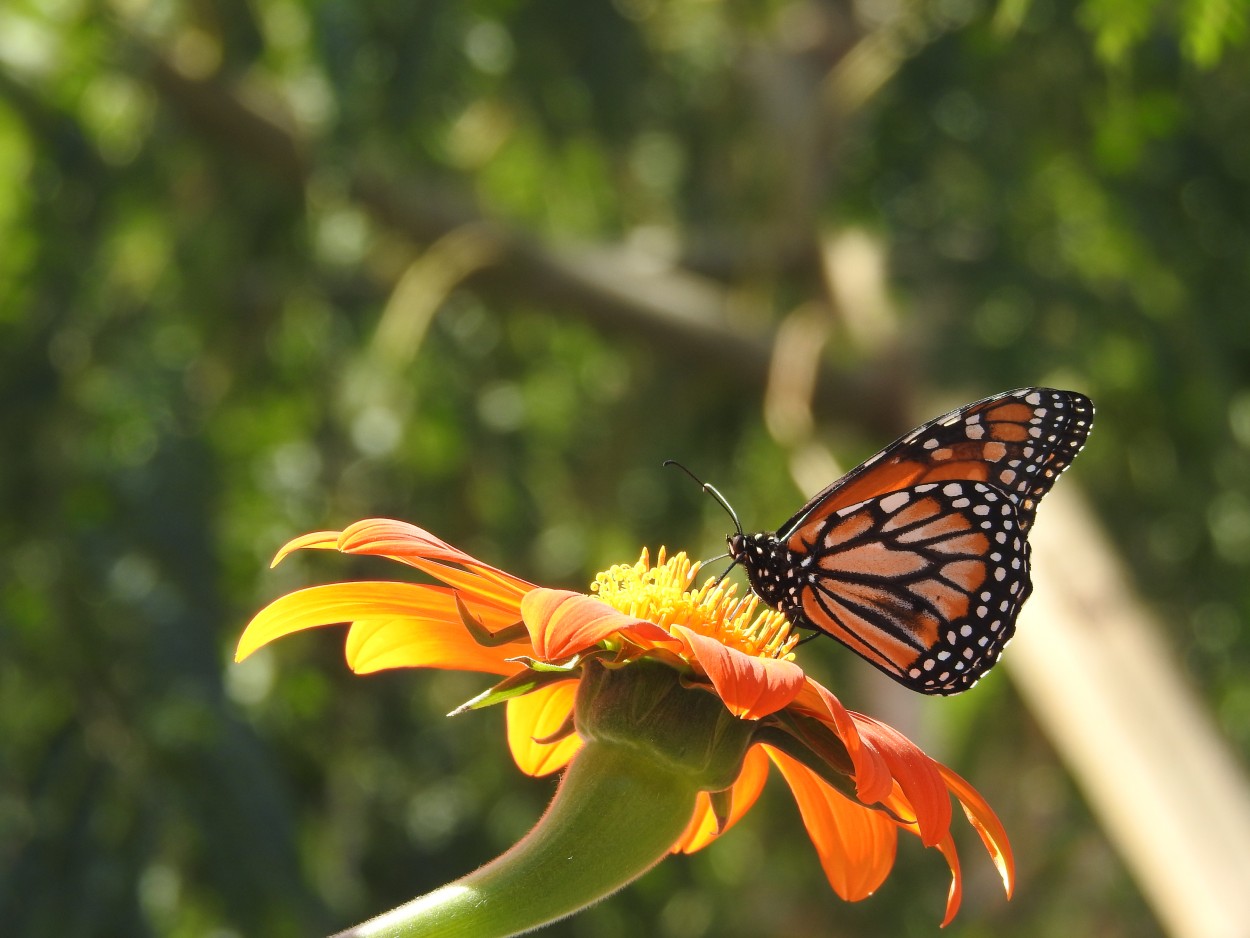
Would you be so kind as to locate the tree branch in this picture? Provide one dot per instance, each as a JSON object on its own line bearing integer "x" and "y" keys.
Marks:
{"x": 614, "y": 287}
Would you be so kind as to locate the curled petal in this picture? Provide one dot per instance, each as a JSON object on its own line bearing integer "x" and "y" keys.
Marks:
{"x": 563, "y": 623}
{"x": 397, "y": 625}
{"x": 419, "y": 548}
{"x": 702, "y": 828}
{"x": 986, "y": 823}
{"x": 856, "y": 845}
{"x": 392, "y": 538}
{"x": 956, "y": 893}
{"x": 319, "y": 540}
{"x": 751, "y": 687}
{"x": 917, "y": 775}
{"x": 536, "y": 716}
{"x": 407, "y": 542}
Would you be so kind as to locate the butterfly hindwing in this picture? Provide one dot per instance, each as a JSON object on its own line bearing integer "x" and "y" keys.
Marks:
{"x": 924, "y": 583}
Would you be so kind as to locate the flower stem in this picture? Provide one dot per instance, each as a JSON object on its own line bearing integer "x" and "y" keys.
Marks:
{"x": 615, "y": 815}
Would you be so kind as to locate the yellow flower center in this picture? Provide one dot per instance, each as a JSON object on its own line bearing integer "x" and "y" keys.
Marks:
{"x": 662, "y": 594}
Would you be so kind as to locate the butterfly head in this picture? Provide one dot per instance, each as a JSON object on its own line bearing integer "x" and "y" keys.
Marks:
{"x": 741, "y": 546}
{"x": 761, "y": 556}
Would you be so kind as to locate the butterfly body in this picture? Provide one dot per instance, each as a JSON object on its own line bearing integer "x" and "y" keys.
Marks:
{"x": 918, "y": 560}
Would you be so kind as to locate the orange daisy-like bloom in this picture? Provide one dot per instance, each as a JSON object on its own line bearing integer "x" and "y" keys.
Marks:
{"x": 857, "y": 781}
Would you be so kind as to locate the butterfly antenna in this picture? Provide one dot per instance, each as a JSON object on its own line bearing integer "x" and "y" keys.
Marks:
{"x": 711, "y": 490}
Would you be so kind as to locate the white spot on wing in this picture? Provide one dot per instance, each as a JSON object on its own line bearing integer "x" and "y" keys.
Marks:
{"x": 894, "y": 501}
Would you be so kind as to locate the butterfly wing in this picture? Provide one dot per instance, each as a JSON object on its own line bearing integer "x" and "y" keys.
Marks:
{"x": 924, "y": 582}
{"x": 918, "y": 560}
{"x": 1018, "y": 441}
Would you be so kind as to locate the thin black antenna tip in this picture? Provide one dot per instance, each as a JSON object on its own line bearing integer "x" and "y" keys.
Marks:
{"x": 711, "y": 490}
{"x": 674, "y": 462}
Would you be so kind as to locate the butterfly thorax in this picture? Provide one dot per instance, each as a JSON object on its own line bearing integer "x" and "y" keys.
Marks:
{"x": 768, "y": 564}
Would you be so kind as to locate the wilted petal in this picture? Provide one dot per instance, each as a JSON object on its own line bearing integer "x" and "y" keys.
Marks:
{"x": 702, "y": 829}
{"x": 536, "y": 716}
{"x": 856, "y": 845}
{"x": 562, "y": 623}
{"x": 751, "y": 687}
{"x": 436, "y": 637}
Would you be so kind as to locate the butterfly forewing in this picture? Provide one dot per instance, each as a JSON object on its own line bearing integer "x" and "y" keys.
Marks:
{"x": 1018, "y": 441}
{"x": 918, "y": 560}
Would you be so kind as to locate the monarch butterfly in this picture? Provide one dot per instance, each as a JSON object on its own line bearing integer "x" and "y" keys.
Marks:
{"x": 918, "y": 559}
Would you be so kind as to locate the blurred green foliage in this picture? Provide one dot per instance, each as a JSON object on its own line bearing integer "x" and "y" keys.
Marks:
{"x": 206, "y": 211}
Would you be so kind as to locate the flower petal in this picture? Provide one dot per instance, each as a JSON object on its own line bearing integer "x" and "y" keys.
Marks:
{"x": 751, "y": 687}
{"x": 986, "y": 823}
{"x": 956, "y": 893}
{"x": 917, "y": 775}
{"x": 398, "y": 539}
{"x": 321, "y": 540}
{"x": 536, "y": 716}
{"x": 702, "y": 828}
{"x": 476, "y": 582}
{"x": 379, "y": 644}
{"x": 873, "y": 779}
{"x": 856, "y": 845}
{"x": 425, "y": 617}
{"x": 406, "y": 542}
{"x": 563, "y": 623}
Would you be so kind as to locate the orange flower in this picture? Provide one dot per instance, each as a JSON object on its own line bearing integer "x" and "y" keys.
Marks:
{"x": 857, "y": 781}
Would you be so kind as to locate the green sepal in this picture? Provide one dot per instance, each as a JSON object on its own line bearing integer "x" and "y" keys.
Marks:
{"x": 515, "y": 685}
{"x": 484, "y": 636}
{"x": 566, "y": 729}
{"x": 567, "y": 666}
{"x": 722, "y": 804}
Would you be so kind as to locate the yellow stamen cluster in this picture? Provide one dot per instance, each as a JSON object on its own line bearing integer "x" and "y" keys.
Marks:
{"x": 662, "y": 594}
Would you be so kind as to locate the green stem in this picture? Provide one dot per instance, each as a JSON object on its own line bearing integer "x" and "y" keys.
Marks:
{"x": 615, "y": 815}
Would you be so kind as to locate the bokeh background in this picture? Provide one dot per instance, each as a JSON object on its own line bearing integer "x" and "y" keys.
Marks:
{"x": 272, "y": 266}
